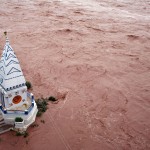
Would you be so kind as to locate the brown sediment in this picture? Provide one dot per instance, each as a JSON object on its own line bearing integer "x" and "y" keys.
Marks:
{"x": 94, "y": 57}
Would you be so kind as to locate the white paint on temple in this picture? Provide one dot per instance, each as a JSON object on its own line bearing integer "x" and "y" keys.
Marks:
{"x": 15, "y": 101}
{"x": 10, "y": 71}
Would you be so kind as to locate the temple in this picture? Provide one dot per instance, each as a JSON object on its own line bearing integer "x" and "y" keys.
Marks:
{"x": 16, "y": 103}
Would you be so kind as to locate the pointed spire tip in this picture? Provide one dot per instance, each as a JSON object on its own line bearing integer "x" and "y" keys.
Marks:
{"x": 5, "y": 33}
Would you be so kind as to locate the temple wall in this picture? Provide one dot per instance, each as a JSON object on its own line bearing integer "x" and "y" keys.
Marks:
{"x": 9, "y": 98}
{"x": 9, "y": 118}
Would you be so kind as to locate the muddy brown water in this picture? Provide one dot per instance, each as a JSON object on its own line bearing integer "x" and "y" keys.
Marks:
{"x": 94, "y": 56}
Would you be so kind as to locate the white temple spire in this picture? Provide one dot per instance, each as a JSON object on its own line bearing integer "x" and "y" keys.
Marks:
{"x": 11, "y": 76}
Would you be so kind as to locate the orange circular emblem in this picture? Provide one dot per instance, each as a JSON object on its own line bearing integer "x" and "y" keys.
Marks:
{"x": 17, "y": 99}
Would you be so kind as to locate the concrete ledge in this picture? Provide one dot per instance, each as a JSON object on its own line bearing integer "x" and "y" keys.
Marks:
{"x": 5, "y": 128}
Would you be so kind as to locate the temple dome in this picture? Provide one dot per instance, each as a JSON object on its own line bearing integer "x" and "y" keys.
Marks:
{"x": 11, "y": 76}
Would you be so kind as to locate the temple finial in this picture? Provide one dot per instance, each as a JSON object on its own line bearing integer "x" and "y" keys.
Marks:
{"x": 5, "y": 33}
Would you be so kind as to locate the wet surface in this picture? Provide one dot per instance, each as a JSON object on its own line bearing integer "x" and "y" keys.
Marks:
{"x": 94, "y": 56}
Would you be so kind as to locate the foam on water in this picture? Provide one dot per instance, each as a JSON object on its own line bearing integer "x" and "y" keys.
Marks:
{"x": 99, "y": 7}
